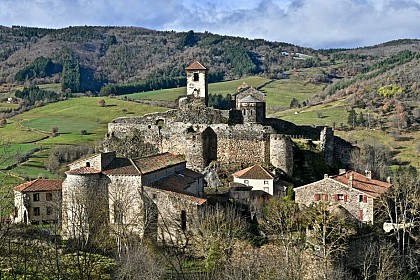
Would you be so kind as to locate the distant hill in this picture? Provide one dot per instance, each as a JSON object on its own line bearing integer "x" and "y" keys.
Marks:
{"x": 129, "y": 54}
{"x": 133, "y": 59}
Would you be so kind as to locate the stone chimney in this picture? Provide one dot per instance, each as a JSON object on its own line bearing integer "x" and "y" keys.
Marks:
{"x": 325, "y": 176}
{"x": 368, "y": 174}
{"x": 351, "y": 181}
{"x": 341, "y": 171}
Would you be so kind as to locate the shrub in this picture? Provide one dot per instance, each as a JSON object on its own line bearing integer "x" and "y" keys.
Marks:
{"x": 54, "y": 131}
{"x": 101, "y": 103}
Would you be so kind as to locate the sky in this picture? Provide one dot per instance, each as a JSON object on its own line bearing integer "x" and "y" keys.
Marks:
{"x": 308, "y": 23}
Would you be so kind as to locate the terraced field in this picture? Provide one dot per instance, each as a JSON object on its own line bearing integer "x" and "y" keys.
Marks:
{"x": 31, "y": 129}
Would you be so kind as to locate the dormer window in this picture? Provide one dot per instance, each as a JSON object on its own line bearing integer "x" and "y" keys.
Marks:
{"x": 196, "y": 77}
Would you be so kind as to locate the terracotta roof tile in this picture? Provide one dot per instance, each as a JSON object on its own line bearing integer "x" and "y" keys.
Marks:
{"x": 360, "y": 182}
{"x": 83, "y": 171}
{"x": 121, "y": 166}
{"x": 254, "y": 172}
{"x": 195, "y": 199}
{"x": 191, "y": 173}
{"x": 196, "y": 66}
{"x": 157, "y": 162}
{"x": 40, "y": 185}
{"x": 176, "y": 182}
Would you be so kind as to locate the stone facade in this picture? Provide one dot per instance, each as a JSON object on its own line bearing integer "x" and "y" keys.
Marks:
{"x": 37, "y": 202}
{"x": 204, "y": 134}
{"x": 104, "y": 192}
{"x": 353, "y": 191}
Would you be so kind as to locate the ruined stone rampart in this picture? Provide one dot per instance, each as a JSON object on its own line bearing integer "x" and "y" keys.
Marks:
{"x": 203, "y": 134}
{"x": 281, "y": 153}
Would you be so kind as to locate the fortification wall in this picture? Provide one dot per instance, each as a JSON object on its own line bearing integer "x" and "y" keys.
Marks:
{"x": 281, "y": 153}
{"x": 243, "y": 143}
{"x": 327, "y": 144}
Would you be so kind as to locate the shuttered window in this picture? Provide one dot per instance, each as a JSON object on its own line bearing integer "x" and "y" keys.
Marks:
{"x": 316, "y": 197}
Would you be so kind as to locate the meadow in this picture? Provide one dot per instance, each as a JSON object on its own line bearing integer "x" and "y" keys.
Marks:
{"x": 223, "y": 88}
{"x": 32, "y": 129}
{"x": 77, "y": 114}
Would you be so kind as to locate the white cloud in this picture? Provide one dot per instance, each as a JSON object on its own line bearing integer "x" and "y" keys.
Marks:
{"x": 312, "y": 23}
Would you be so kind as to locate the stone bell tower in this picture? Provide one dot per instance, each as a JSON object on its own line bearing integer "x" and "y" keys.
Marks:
{"x": 197, "y": 83}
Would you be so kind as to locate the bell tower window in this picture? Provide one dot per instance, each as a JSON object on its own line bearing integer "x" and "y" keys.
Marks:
{"x": 196, "y": 77}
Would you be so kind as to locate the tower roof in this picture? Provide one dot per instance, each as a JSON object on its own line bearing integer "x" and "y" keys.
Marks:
{"x": 249, "y": 99}
{"x": 196, "y": 66}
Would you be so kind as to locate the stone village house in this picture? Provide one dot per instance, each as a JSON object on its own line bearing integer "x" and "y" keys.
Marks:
{"x": 355, "y": 192}
{"x": 157, "y": 195}
{"x": 37, "y": 201}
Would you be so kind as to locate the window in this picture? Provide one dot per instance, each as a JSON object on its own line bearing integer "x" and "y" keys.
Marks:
{"x": 316, "y": 197}
{"x": 340, "y": 197}
{"x": 35, "y": 197}
{"x": 265, "y": 182}
{"x": 183, "y": 220}
{"x": 49, "y": 210}
{"x": 266, "y": 189}
{"x": 246, "y": 182}
{"x": 325, "y": 197}
{"x": 87, "y": 164}
{"x": 362, "y": 198}
{"x": 36, "y": 211}
{"x": 48, "y": 196}
{"x": 196, "y": 77}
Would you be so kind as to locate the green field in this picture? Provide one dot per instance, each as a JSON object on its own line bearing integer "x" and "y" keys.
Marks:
{"x": 331, "y": 114}
{"x": 76, "y": 114}
{"x": 223, "y": 88}
{"x": 13, "y": 151}
{"x": 70, "y": 116}
{"x": 231, "y": 87}
{"x": 7, "y": 106}
{"x": 280, "y": 92}
{"x": 15, "y": 133}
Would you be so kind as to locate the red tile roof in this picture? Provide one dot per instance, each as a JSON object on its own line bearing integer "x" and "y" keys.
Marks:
{"x": 157, "y": 162}
{"x": 195, "y": 199}
{"x": 196, "y": 66}
{"x": 254, "y": 172}
{"x": 125, "y": 166}
{"x": 83, "y": 171}
{"x": 191, "y": 173}
{"x": 121, "y": 166}
{"x": 40, "y": 185}
{"x": 176, "y": 183}
{"x": 362, "y": 183}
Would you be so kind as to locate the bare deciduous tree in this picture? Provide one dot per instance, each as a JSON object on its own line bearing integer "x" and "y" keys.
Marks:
{"x": 217, "y": 230}
{"x": 401, "y": 207}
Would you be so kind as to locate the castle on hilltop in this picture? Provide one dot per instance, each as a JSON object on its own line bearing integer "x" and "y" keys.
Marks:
{"x": 242, "y": 134}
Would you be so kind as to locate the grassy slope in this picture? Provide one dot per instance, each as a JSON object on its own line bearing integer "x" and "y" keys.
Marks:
{"x": 280, "y": 92}
{"x": 323, "y": 114}
{"x": 223, "y": 88}
{"x": 70, "y": 116}
{"x": 76, "y": 114}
